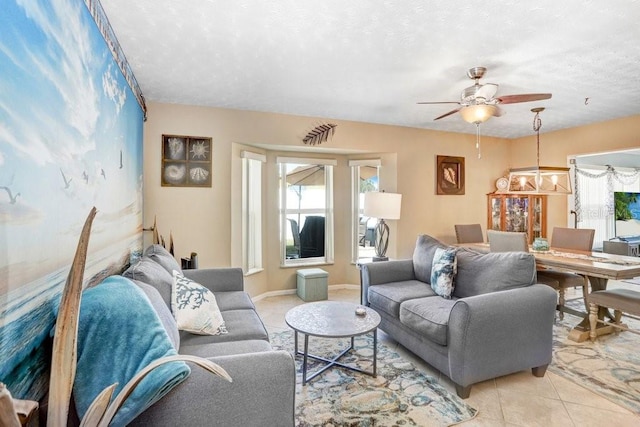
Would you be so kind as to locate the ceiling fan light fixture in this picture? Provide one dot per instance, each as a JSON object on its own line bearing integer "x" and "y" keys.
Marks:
{"x": 478, "y": 113}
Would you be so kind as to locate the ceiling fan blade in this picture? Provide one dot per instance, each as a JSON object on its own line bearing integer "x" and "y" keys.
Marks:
{"x": 527, "y": 97}
{"x": 439, "y": 102}
{"x": 487, "y": 91}
{"x": 447, "y": 114}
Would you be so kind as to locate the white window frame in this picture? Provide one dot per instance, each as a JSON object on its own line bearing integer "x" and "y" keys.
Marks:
{"x": 356, "y": 209}
{"x": 252, "y": 211}
{"x": 328, "y": 257}
{"x": 594, "y": 193}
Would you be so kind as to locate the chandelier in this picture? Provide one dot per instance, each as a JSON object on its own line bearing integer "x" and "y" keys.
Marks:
{"x": 538, "y": 179}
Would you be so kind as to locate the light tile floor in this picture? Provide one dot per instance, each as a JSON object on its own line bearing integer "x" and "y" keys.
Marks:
{"x": 519, "y": 399}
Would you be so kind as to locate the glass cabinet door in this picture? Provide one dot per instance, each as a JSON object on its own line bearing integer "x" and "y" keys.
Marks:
{"x": 536, "y": 217}
{"x": 512, "y": 212}
{"x": 496, "y": 213}
{"x": 516, "y": 214}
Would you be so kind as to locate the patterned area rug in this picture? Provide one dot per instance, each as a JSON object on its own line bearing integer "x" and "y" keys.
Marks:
{"x": 401, "y": 395}
{"x": 609, "y": 367}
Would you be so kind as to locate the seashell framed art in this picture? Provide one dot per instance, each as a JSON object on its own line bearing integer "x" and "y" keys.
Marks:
{"x": 186, "y": 161}
{"x": 449, "y": 175}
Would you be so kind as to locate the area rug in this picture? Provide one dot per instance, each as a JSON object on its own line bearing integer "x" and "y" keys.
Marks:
{"x": 610, "y": 366}
{"x": 400, "y": 395}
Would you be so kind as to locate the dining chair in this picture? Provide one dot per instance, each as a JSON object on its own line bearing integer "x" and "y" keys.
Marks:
{"x": 469, "y": 233}
{"x": 576, "y": 239}
{"x": 507, "y": 241}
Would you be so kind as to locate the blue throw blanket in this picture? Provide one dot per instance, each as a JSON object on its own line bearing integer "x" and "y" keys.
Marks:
{"x": 119, "y": 333}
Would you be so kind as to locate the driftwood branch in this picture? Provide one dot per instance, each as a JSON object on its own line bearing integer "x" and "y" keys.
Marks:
{"x": 8, "y": 414}
{"x": 64, "y": 359}
{"x": 320, "y": 134}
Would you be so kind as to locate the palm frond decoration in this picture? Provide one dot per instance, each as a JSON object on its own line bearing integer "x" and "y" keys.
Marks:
{"x": 320, "y": 134}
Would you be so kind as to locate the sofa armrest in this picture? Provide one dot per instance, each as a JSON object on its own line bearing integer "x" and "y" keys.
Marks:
{"x": 262, "y": 394}
{"x": 218, "y": 279}
{"x": 501, "y": 332}
{"x": 377, "y": 273}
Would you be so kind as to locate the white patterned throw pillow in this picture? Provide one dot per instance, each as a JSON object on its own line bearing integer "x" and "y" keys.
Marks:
{"x": 443, "y": 271}
{"x": 195, "y": 307}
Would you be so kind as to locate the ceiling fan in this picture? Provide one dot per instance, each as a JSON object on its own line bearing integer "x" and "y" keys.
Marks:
{"x": 478, "y": 103}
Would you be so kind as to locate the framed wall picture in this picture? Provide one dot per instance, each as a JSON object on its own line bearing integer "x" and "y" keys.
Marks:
{"x": 450, "y": 175}
{"x": 186, "y": 161}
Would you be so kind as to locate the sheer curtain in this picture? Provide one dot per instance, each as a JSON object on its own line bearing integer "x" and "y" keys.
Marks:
{"x": 595, "y": 186}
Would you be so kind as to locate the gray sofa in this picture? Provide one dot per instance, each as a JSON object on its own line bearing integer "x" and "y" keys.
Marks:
{"x": 497, "y": 322}
{"x": 263, "y": 388}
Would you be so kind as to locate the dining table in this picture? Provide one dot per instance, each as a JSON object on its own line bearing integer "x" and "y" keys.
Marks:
{"x": 598, "y": 267}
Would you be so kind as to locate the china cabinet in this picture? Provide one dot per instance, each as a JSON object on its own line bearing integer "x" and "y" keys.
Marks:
{"x": 513, "y": 212}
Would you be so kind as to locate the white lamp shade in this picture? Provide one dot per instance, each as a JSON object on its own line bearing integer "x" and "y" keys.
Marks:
{"x": 477, "y": 113}
{"x": 382, "y": 205}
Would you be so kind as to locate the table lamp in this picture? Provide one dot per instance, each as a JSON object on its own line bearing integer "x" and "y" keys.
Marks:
{"x": 383, "y": 206}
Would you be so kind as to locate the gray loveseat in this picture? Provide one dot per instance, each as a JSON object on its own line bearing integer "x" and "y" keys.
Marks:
{"x": 263, "y": 389}
{"x": 498, "y": 321}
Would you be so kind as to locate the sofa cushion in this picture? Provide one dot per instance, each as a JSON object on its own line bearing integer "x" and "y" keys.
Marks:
{"x": 423, "y": 256}
{"x": 162, "y": 311}
{"x": 150, "y": 272}
{"x": 241, "y": 324}
{"x": 234, "y": 300}
{"x": 443, "y": 271}
{"x": 195, "y": 307}
{"x": 228, "y": 348}
{"x": 491, "y": 272}
{"x": 162, "y": 257}
{"x": 428, "y": 317}
{"x": 389, "y": 296}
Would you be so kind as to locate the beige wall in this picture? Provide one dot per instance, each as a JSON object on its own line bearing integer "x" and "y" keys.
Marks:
{"x": 556, "y": 148}
{"x": 207, "y": 221}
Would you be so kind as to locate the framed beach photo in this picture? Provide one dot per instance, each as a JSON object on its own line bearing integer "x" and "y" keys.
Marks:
{"x": 450, "y": 175}
{"x": 186, "y": 161}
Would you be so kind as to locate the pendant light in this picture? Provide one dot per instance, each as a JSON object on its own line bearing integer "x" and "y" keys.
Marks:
{"x": 539, "y": 179}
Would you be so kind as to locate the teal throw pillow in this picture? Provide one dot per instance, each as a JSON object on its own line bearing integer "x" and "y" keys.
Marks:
{"x": 443, "y": 271}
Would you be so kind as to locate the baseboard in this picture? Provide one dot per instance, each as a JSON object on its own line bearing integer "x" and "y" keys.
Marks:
{"x": 293, "y": 291}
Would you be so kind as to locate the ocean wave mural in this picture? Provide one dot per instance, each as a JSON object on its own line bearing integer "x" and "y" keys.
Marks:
{"x": 70, "y": 139}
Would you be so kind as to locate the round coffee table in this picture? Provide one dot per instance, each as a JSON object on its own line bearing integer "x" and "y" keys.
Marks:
{"x": 331, "y": 319}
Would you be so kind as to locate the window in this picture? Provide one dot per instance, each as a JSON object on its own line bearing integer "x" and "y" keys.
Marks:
{"x": 306, "y": 210}
{"x": 364, "y": 178}
{"x": 252, "y": 211}
{"x": 594, "y": 202}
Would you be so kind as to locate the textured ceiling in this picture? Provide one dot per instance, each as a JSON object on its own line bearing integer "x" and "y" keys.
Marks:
{"x": 371, "y": 61}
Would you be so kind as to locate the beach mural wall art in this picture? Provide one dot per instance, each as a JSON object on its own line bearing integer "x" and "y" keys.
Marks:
{"x": 71, "y": 119}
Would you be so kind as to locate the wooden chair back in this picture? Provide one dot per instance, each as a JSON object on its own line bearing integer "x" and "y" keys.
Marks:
{"x": 507, "y": 241}
{"x": 578, "y": 239}
{"x": 469, "y": 233}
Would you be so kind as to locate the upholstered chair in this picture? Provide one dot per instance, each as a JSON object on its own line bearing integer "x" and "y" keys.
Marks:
{"x": 572, "y": 239}
{"x": 469, "y": 233}
{"x": 507, "y": 241}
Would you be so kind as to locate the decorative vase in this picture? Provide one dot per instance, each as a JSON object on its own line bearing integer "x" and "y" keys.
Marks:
{"x": 540, "y": 244}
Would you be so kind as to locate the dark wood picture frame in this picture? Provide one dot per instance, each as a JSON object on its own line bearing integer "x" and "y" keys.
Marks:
{"x": 186, "y": 161}
{"x": 450, "y": 175}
